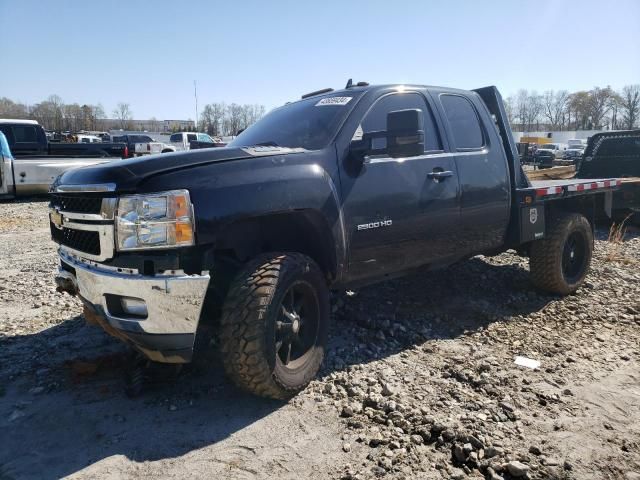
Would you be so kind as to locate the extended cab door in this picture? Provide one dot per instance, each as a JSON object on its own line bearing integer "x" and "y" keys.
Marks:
{"x": 399, "y": 212}
{"x": 482, "y": 169}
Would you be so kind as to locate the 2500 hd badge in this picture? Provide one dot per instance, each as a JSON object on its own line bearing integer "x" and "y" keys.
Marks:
{"x": 369, "y": 226}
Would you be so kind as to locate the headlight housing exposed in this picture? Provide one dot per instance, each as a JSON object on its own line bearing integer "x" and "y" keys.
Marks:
{"x": 155, "y": 220}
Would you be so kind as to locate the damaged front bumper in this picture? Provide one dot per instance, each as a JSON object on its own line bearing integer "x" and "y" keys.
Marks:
{"x": 157, "y": 315}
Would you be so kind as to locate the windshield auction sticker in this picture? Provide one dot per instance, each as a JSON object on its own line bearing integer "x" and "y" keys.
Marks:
{"x": 333, "y": 101}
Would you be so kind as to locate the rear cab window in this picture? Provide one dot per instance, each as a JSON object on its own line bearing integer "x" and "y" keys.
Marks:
{"x": 463, "y": 122}
{"x": 176, "y": 138}
{"x": 25, "y": 134}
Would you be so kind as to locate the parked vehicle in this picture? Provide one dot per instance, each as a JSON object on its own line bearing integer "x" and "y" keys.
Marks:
{"x": 83, "y": 138}
{"x": 27, "y": 138}
{"x": 578, "y": 143}
{"x": 139, "y": 144}
{"x": 573, "y": 154}
{"x": 192, "y": 140}
{"x": 544, "y": 157}
{"x": 33, "y": 175}
{"x": 337, "y": 190}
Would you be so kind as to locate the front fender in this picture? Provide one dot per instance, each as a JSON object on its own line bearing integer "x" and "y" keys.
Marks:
{"x": 228, "y": 192}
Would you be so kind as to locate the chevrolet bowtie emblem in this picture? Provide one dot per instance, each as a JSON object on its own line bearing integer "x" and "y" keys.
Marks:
{"x": 56, "y": 218}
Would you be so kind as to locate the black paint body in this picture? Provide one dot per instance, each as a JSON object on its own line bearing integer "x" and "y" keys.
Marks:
{"x": 433, "y": 221}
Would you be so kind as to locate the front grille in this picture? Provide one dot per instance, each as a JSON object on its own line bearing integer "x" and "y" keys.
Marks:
{"x": 76, "y": 204}
{"x": 81, "y": 240}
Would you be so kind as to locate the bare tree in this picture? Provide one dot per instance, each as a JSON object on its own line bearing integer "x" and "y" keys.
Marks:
{"x": 533, "y": 110}
{"x": 233, "y": 119}
{"x": 509, "y": 107}
{"x": 72, "y": 117}
{"x": 579, "y": 105}
{"x": 630, "y": 105}
{"x": 11, "y": 109}
{"x": 124, "y": 114}
{"x": 554, "y": 105}
{"x": 599, "y": 102}
{"x": 522, "y": 108}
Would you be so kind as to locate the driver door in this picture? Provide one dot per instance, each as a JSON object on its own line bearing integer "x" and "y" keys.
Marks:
{"x": 398, "y": 214}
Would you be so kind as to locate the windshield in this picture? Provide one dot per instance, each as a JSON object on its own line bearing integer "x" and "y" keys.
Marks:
{"x": 309, "y": 124}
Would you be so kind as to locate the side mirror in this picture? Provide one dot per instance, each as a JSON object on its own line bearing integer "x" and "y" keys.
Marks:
{"x": 405, "y": 133}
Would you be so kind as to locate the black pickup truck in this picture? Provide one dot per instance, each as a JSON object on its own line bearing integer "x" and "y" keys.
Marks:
{"x": 336, "y": 190}
{"x": 28, "y": 138}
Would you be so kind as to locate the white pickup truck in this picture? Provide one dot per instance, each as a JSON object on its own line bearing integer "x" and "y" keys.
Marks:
{"x": 32, "y": 176}
{"x": 188, "y": 140}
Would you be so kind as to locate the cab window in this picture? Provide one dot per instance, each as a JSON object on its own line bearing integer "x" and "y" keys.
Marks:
{"x": 176, "y": 137}
{"x": 376, "y": 119}
{"x": 463, "y": 121}
{"x": 24, "y": 134}
{"x": 203, "y": 137}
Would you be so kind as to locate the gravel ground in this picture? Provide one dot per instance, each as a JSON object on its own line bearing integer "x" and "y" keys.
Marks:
{"x": 420, "y": 382}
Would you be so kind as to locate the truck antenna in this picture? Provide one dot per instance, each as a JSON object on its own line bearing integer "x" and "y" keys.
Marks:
{"x": 349, "y": 83}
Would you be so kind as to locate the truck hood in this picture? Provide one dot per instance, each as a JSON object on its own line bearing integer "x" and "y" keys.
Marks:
{"x": 126, "y": 175}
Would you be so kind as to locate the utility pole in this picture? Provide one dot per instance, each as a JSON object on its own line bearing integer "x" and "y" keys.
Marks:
{"x": 195, "y": 94}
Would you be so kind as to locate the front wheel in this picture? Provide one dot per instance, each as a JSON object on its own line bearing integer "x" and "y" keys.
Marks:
{"x": 559, "y": 263}
{"x": 274, "y": 325}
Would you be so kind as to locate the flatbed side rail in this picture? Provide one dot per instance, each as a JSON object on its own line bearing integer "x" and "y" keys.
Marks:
{"x": 554, "y": 189}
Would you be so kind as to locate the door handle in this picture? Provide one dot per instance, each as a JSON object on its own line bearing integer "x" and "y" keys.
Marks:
{"x": 440, "y": 175}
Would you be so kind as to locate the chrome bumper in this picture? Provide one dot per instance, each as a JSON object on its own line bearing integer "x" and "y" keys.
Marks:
{"x": 164, "y": 329}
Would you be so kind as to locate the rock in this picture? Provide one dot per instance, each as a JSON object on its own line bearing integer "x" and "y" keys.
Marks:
{"x": 492, "y": 475}
{"x": 457, "y": 474}
{"x": 517, "y": 469}
{"x": 385, "y": 463}
{"x": 477, "y": 444}
{"x": 535, "y": 450}
{"x": 632, "y": 476}
{"x": 492, "y": 451}
{"x": 347, "y": 412}
{"x": 458, "y": 454}
{"x": 388, "y": 389}
{"x": 330, "y": 389}
{"x": 417, "y": 439}
{"x": 448, "y": 435}
{"x": 346, "y": 447}
{"x": 507, "y": 406}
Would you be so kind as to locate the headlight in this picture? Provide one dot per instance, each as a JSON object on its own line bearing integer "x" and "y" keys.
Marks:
{"x": 156, "y": 220}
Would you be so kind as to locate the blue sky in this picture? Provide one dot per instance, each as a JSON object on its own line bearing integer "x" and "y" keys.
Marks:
{"x": 148, "y": 53}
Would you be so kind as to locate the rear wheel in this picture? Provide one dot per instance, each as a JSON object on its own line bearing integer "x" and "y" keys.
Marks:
{"x": 559, "y": 263}
{"x": 274, "y": 325}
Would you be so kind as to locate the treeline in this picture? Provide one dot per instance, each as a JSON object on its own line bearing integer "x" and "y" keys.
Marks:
{"x": 54, "y": 114}
{"x": 220, "y": 119}
{"x": 217, "y": 119}
{"x": 595, "y": 109}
